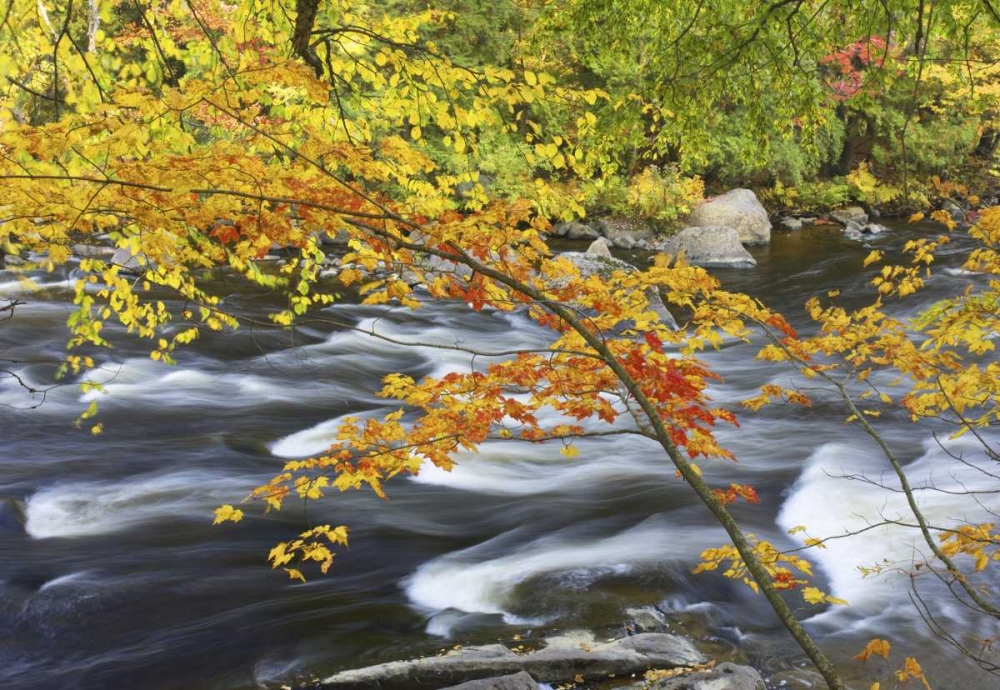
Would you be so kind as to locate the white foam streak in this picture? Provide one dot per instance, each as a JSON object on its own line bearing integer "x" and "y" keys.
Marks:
{"x": 81, "y": 509}
{"x": 829, "y": 503}
{"x": 463, "y": 582}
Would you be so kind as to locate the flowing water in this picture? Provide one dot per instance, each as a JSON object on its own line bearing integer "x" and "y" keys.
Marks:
{"x": 118, "y": 579}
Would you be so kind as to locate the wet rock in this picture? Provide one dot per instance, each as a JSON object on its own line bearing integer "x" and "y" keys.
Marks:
{"x": 625, "y": 233}
{"x": 560, "y": 660}
{"x": 575, "y": 231}
{"x": 791, "y": 223}
{"x": 851, "y": 213}
{"x": 738, "y": 209}
{"x": 645, "y": 619}
{"x": 854, "y": 231}
{"x": 725, "y": 676}
{"x": 92, "y": 251}
{"x": 516, "y": 681}
{"x": 599, "y": 247}
{"x": 709, "y": 246}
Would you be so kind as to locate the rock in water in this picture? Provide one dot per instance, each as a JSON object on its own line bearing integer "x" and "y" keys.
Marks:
{"x": 709, "y": 246}
{"x": 849, "y": 214}
{"x": 739, "y": 209}
{"x": 625, "y": 232}
{"x": 599, "y": 247}
{"x": 561, "y": 660}
{"x": 517, "y": 681}
{"x": 725, "y": 676}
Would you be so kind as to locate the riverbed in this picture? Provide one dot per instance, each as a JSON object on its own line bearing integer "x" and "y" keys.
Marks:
{"x": 119, "y": 580}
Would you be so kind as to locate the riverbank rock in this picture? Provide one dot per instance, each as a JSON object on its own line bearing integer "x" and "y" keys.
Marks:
{"x": 725, "y": 676}
{"x": 517, "y": 681}
{"x": 714, "y": 246}
{"x": 791, "y": 223}
{"x": 955, "y": 210}
{"x": 575, "y": 231}
{"x": 129, "y": 263}
{"x": 598, "y": 264}
{"x": 563, "y": 658}
{"x": 738, "y": 209}
{"x": 849, "y": 214}
{"x": 626, "y": 233}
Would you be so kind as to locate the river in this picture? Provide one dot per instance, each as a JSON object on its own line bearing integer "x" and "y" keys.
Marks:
{"x": 119, "y": 580}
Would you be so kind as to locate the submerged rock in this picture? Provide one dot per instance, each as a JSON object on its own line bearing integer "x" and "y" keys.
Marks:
{"x": 562, "y": 659}
{"x": 709, "y": 246}
{"x": 738, "y": 209}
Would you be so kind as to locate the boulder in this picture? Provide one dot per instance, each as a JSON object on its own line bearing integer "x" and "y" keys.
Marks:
{"x": 625, "y": 233}
{"x": 561, "y": 659}
{"x": 717, "y": 246}
{"x": 851, "y": 213}
{"x": 516, "y": 681}
{"x": 575, "y": 231}
{"x": 725, "y": 676}
{"x": 739, "y": 209}
{"x": 595, "y": 264}
{"x": 599, "y": 247}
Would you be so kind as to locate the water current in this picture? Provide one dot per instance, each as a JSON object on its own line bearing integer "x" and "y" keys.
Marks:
{"x": 118, "y": 579}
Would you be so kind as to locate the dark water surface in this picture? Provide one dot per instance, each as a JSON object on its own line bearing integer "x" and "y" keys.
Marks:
{"x": 119, "y": 580}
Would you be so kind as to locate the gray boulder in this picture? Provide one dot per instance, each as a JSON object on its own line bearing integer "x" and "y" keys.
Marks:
{"x": 93, "y": 251}
{"x": 791, "y": 223}
{"x": 575, "y": 231}
{"x": 725, "y": 676}
{"x": 563, "y": 658}
{"x": 625, "y": 233}
{"x": 603, "y": 266}
{"x": 718, "y": 246}
{"x": 516, "y": 681}
{"x": 599, "y": 247}
{"x": 739, "y": 209}
{"x": 851, "y": 213}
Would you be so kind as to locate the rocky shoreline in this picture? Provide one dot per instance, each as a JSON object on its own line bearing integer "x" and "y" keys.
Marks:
{"x": 574, "y": 659}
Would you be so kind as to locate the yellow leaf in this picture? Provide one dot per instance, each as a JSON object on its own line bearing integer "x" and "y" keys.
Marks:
{"x": 569, "y": 450}
{"x": 227, "y": 513}
{"x": 877, "y": 647}
{"x": 295, "y": 574}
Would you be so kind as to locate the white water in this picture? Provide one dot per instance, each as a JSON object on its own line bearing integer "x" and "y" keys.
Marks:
{"x": 832, "y": 498}
{"x": 82, "y": 509}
